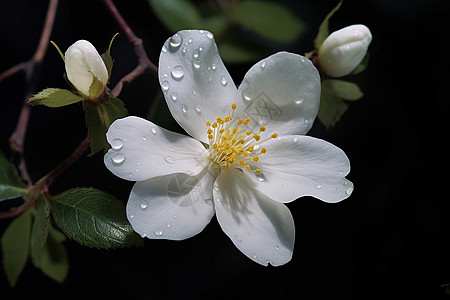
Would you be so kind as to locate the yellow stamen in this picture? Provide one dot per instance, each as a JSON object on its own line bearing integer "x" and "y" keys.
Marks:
{"x": 263, "y": 151}
{"x": 262, "y": 129}
{"x": 255, "y": 158}
{"x": 274, "y": 135}
{"x": 233, "y": 106}
{"x": 208, "y": 124}
{"x": 247, "y": 167}
{"x": 258, "y": 171}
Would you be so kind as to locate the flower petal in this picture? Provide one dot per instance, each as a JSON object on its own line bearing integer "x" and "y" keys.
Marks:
{"x": 195, "y": 82}
{"x": 259, "y": 227}
{"x": 173, "y": 207}
{"x": 296, "y": 166}
{"x": 281, "y": 92}
{"x": 141, "y": 150}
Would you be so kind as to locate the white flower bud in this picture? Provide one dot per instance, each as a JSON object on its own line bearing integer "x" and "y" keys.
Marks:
{"x": 343, "y": 50}
{"x": 83, "y": 63}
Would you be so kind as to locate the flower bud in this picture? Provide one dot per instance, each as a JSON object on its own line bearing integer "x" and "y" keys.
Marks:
{"x": 83, "y": 63}
{"x": 343, "y": 50}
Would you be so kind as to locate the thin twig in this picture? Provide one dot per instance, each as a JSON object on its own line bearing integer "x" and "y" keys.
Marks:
{"x": 30, "y": 67}
{"x": 144, "y": 63}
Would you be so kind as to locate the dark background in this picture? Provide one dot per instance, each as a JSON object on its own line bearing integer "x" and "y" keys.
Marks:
{"x": 389, "y": 239}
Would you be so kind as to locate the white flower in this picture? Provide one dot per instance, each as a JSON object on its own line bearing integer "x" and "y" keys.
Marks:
{"x": 343, "y": 50}
{"x": 246, "y": 157}
{"x": 82, "y": 63}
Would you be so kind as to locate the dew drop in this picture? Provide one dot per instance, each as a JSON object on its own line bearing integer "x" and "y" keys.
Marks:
{"x": 184, "y": 50}
{"x": 184, "y": 108}
{"x": 118, "y": 159}
{"x": 131, "y": 216}
{"x": 277, "y": 247}
{"x": 210, "y": 35}
{"x": 117, "y": 144}
{"x": 144, "y": 138}
{"x": 349, "y": 190}
{"x": 299, "y": 101}
{"x": 200, "y": 48}
{"x": 168, "y": 225}
{"x": 306, "y": 121}
{"x": 295, "y": 139}
{"x": 237, "y": 238}
{"x": 254, "y": 256}
{"x": 165, "y": 86}
{"x": 177, "y": 72}
{"x": 158, "y": 233}
{"x": 176, "y": 40}
{"x": 198, "y": 109}
{"x": 190, "y": 41}
{"x": 174, "y": 96}
{"x": 214, "y": 67}
{"x": 169, "y": 159}
{"x": 196, "y": 54}
{"x": 223, "y": 81}
{"x": 218, "y": 199}
{"x": 248, "y": 93}
{"x": 143, "y": 205}
{"x": 263, "y": 65}
{"x": 144, "y": 235}
{"x": 260, "y": 177}
{"x": 318, "y": 186}
{"x": 196, "y": 64}
{"x": 164, "y": 49}
{"x": 153, "y": 130}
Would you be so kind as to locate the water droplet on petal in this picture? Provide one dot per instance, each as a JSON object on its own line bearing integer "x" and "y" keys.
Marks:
{"x": 254, "y": 256}
{"x": 169, "y": 159}
{"x": 177, "y": 72}
{"x": 349, "y": 190}
{"x": 198, "y": 109}
{"x": 248, "y": 93}
{"x": 223, "y": 81}
{"x": 196, "y": 64}
{"x": 164, "y": 49}
{"x": 190, "y": 40}
{"x": 295, "y": 139}
{"x": 263, "y": 65}
{"x": 165, "y": 86}
{"x": 277, "y": 247}
{"x": 144, "y": 138}
{"x": 184, "y": 50}
{"x": 118, "y": 159}
{"x": 299, "y": 101}
{"x": 144, "y": 235}
{"x": 318, "y": 186}
{"x": 158, "y": 233}
{"x": 143, "y": 205}
{"x": 214, "y": 67}
{"x": 117, "y": 144}
{"x": 174, "y": 96}
{"x": 131, "y": 216}
{"x": 260, "y": 177}
{"x": 168, "y": 225}
{"x": 306, "y": 121}
{"x": 176, "y": 40}
{"x": 184, "y": 108}
{"x": 153, "y": 130}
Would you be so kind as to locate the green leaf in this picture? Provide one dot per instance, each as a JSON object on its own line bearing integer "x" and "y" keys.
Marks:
{"x": 15, "y": 245}
{"x": 177, "y": 14}
{"x": 234, "y": 49}
{"x": 342, "y": 89}
{"x": 107, "y": 58}
{"x": 54, "y": 261}
{"x": 93, "y": 218}
{"x": 331, "y": 109}
{"x": 52, "y": 97}
{"x": 39, "y": 231}
{"x": 11, "y": 185}
{"x": 271, "y": 20}
{"x": 323, "y": 28}
{"x": 98, "y": 119}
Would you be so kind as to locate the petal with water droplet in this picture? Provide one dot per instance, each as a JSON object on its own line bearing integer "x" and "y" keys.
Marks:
{"x": 296, "y": 166}
{"x": 260, "y": 223}
{"x": 203, "y": 72}
{"x": 154, "y": 203}
{"x": 283, "y": 93}
{"x": 187, "y": 154}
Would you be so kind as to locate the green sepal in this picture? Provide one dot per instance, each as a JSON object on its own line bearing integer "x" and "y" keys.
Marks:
{"x": 11, "y": 185}
{"x": 15, "y": 246}
{"x": 342, "y": 89}
{"x": 323, "y": 28}
{"x": 53, "y": 97}
{"x": 331, "y": 108}
{"x": 39, "y": 231}
{"x": 93, "y": 218}
{"x": 362, "y": 65}
{"x": 59, "y": 51}
{"x": 107, "y": 58}
{"x": 98, "y": 119}
{"x": 96, "y": 88}
{"x": 270, "y": 20}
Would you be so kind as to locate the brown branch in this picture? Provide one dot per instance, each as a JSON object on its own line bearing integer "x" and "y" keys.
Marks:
{"x": 30, "y": 67}
{"x": 144, "y": 63}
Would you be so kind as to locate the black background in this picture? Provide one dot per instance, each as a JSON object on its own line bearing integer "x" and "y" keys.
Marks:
{"x": 389, "y": 239}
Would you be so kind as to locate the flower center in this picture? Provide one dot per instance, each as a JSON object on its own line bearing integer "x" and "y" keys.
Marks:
{"x": 234, "y": 146}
